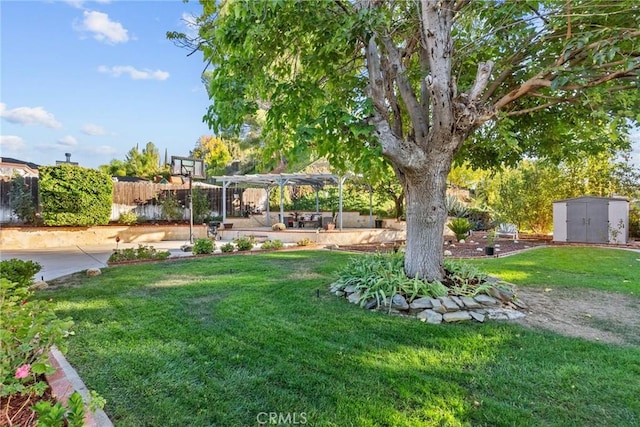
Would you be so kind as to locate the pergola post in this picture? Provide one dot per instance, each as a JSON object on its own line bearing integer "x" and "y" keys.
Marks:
{"x": 268, "y": 188}
{"x": 317, "y": 188}
{"x": 225, "y": 184}
{"x": 370, "y": 205}
{"x": 341, "y": 180}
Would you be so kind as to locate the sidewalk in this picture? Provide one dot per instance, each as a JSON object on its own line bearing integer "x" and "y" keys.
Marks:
{"x": 57, "y": 262}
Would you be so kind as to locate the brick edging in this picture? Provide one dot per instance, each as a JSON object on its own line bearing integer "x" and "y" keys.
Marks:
{"x": 65, "y": 381}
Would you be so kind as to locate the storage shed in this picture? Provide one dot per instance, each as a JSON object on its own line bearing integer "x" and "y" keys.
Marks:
{"x": 591, "y": 219}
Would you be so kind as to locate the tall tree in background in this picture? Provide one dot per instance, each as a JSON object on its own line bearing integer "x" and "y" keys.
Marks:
{"x": 419, "y": 82}
{"x": 141, "y": 164}
{"x": 215, "y": 153}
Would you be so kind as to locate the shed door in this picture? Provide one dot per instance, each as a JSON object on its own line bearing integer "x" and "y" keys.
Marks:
{"x": 598, "y": 222}
{"x": 588, "y": 222}
{"x": 576, "y": 222}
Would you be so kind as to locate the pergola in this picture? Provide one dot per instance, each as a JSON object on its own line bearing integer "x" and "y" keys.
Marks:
{"x": 271, "y": 181}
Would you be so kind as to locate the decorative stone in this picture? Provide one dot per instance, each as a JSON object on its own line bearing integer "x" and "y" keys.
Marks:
{"x": 479, "y": 249}
{"x": 371, "y": 304}
{"x": 340, "y": 293}
{"x": 93, "y": 272}
{"x": 334, "y": 287}
{"x": 437, "y": 306}
{"x": 350, "y": 289}
{"x": 421, "y": 304}
{"x": 447, "y": 253}
{"x": 492, "y": 279}
{"x": 40, "y": 284}
{"x": 515, "y": 314}
{"x": 520, "y": 304}
{"x": 501, "y": 294}
{"x": 399, "y": 303}
{"x": 485, "y": 300}
{"x": 449, "y": 304}
{"x": 462, "y": 241}
{"x": 430, "y": 316}
{"x": 354, "y": 298}
{"x": 457, "y": 300}
{"x": 456, "y": 316}
{"x": 477, "y": 316}
{"x": 470, "y": 302}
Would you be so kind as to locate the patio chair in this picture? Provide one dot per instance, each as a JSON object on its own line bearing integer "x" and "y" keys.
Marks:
{"x": 507, "y": 230}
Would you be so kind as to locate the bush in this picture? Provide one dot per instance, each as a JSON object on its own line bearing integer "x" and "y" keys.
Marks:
{"x": 227, "y": 247}
{"x": 245, "y": 243}
{"x": 170, "y": 208}
{"x": 27, "y": 332}
{"x": 19, "y": 271}
{"x": 128, "y": 218}
{"x": 71, "y": 195}
{"x": 142, "y": 252}
{"x": 455, "y": 207}
{"x": 272, "y": 244}
{"x": 21, "y": 201}
{"x": 634, "y": 222}
{"x": 278, "y": 226}
{"x": 381, "y": 276}
{"x": 202, "y": 246}
{"x": 460, "y": 227}
{"x": 304, "y": 242}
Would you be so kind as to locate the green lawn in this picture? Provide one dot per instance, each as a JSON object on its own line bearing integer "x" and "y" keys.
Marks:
{"x": 223, "y": 340}
{"x": 587, "y": 267}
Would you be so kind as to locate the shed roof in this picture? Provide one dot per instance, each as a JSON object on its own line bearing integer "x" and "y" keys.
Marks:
{"x": 608, "y": 199}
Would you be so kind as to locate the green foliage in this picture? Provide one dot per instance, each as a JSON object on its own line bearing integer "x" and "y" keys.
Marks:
{"x": 202, "y": 246}
{"x": 128, "y": 218}
{"x": 170, "y": 207}
{"x": 464, "y": 279}
{"x": 215, "y": 153}
{"x": 455, "y": 207}
{"x": 227, "y": 247}
{"x": 21, "y": 201}
{"x": 143, "y": 164}
{"x": 28, "y": 329}
{"x": 381, "y": 276}
{"x": 19, "y": 271}
{"x": 304, "y": 242}
{"x": 634, "y": 221}
{"x": 201, "y": 206}
{"x": 272, "y": 244}
{"x": 245, "y": 243}
{"x": 460, "y": 227}
{"x": 71, "y": 195}
{"x": 141, "y": 252}
{"x": 57, "y": 415}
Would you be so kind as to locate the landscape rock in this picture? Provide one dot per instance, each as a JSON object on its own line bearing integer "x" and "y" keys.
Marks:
{"x": 470, "y": 302}
{"x": 501, "y": 294}
{"x": 350, "y": 289}
{"x": 486, "y": 300}
{"x": 449, "y": 304}
{"x": 339, "y": 293}
{"x": 430, "y": 316}
{"x": 437, "y": 306}
{"x": 93, "y": 272}
{"x": 477, "y": 316}
{"x": 457, "y": 300}
{"x": 354, "y": 298}
{"x": 456, "y": 316}
{"x": 399, "y": 302}
{"x": 421, "y": 304}
{"x": 371, "y": 304}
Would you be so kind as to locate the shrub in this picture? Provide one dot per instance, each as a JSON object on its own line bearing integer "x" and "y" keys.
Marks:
{"x": 227, "y": 247}
{"x": 464, "y": 279}
{"x": 71, "y": 195}
{"x": 455, "y": 207}
{"x": 142, "y": 252}
{"x": 460, "y": 227}
{"x": 272, "y": 244}
{"x": 21, "y": 200}
{"x": 245, "y": 243}
{"x": 202, "y": 246}
{"x": 170, "y": 208}
{"x": 381, "y": 276}
{"x": 278, "y": 226}
{"x": 19, "y": 271}
{"x": 304, "y": 242}
{"x": 128, "y": 218}
{"x": 27, "y": 331}
{"x": 634, "y": 222}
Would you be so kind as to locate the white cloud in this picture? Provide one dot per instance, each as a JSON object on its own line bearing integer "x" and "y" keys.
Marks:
{"x": 104, "y": 150}
{"x": 11, "y": 143}
{"x": 79, "y": 4}
{"x": 134, "y": 73}
{"x": 68, "y": 141}
{"x": 93, "y": 130}
{"x": 29, "y": 116}
{"x": 103, "y": 29}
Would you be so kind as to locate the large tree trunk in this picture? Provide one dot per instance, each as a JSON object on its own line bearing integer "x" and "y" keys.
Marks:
{"x": 426, "y": 216}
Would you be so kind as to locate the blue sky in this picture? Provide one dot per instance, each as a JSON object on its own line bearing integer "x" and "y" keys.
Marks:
{"x": 95, "y": 78}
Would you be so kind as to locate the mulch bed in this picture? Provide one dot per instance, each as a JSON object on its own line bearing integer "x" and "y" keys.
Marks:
{"x": 468, "y": 249}
{"x": 16, "y": 410}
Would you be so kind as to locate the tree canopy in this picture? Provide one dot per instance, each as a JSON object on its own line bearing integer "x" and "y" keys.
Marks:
{"x": 419, "y": 84}
{"x": 143, "y": 164}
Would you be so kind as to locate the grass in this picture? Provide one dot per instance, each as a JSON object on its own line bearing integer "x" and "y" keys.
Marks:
{"x": 224, "y": 340}
{"x": 581, "y": 267}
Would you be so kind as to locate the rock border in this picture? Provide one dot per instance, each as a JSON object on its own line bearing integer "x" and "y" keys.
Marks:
{"x": 499, "y": 304}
